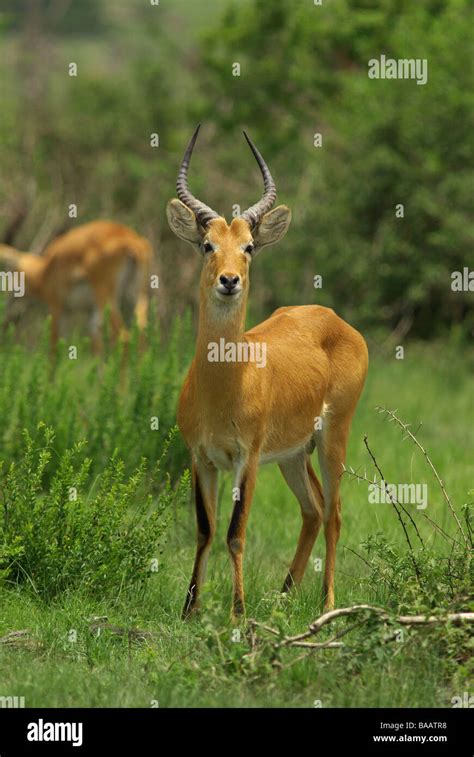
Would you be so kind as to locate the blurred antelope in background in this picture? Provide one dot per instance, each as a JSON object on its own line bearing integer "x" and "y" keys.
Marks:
{"x": 107, "y": 256}
{"x": 235, "y": 414}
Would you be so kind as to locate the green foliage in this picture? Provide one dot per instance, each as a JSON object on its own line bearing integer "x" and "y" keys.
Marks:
{"x": 305, "y": 71}
{"x": 438, "y": 580}
{"x": 110, "y": 402}
{"x": 77, "y": 18}
{"x": 103, "y": 540}
{"x": 68, "y": 535}
{"x": 88, "y": 136}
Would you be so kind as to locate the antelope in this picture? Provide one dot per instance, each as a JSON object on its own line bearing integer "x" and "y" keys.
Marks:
{"x": 103, "y": 254}
{"x": 236, "y": 415}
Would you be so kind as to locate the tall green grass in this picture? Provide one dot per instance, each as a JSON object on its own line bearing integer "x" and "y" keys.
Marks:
{"x": 125, "y": 401}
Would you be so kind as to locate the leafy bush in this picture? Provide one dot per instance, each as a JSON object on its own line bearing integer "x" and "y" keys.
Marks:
{"x": 438, "y": 580}
{"x": 100, "y": 538}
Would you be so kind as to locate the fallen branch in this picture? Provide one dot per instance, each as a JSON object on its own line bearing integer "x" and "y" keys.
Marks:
{"x": 452, "y": 617}
{"x": 254, "y": 624}
{"x": 14, "y": 636}
{"x": 328, "y": 617}
{"x": 380, "y": 614}
{"x": 383, "y": 615}
{"x": 318, "y": 645}
{"x": 20, "y": 639}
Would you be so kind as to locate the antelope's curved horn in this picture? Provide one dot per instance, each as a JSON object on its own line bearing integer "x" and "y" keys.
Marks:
{"x": 253, "y": 215}
{"x": 203, "y": 213}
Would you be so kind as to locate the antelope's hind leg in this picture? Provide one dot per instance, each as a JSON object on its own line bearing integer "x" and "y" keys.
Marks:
{"x": 332, "y": 456}
{"x": 205, "y": 498}
{"x": 303, "y": 482}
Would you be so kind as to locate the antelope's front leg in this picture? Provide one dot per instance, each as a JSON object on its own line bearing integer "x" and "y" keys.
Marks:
{"x": 244, "y": 489}
{"x": 205, "y": 497}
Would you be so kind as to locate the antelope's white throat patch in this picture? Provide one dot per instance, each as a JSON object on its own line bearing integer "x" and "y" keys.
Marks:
{"x": 237, "y": 352}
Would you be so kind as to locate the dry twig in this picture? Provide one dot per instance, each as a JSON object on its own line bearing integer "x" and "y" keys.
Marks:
{"x": 405, "y": 428}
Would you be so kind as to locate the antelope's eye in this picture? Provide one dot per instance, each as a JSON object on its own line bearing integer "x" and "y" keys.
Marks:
{"x": 250, "y": 248}
{"x": 207, "y": 247}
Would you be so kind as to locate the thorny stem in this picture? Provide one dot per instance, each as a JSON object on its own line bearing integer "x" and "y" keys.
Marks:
{"x": 406, "y": 430}
{"x": 394, "y": 503}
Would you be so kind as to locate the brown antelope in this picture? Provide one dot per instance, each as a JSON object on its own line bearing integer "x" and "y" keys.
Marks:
{"x": 235, "y": 414}
{"x": 106, "y": 255}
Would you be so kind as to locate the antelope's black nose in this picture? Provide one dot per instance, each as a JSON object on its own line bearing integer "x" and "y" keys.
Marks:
{"x": 229, "y": 282}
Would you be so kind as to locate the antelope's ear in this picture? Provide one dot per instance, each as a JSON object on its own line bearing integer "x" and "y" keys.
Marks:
{"x": 273, "y": 226}
{"x": 183, "y": 222}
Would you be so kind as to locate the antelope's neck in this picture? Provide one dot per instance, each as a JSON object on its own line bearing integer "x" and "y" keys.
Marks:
{"x": 219, "y": 326}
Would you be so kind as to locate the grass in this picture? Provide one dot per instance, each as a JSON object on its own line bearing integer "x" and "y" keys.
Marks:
{"x": 203, "y": 662}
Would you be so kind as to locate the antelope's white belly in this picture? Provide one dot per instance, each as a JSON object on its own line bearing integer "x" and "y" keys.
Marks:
{"x": 281, "y": 456}
{"x": 222, "y": 459}
{"x": 225, "y": 458}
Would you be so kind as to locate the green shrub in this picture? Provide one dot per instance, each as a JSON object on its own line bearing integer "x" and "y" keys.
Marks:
{"x": 439, "y": 580}
{"x": 69, "y": 534}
